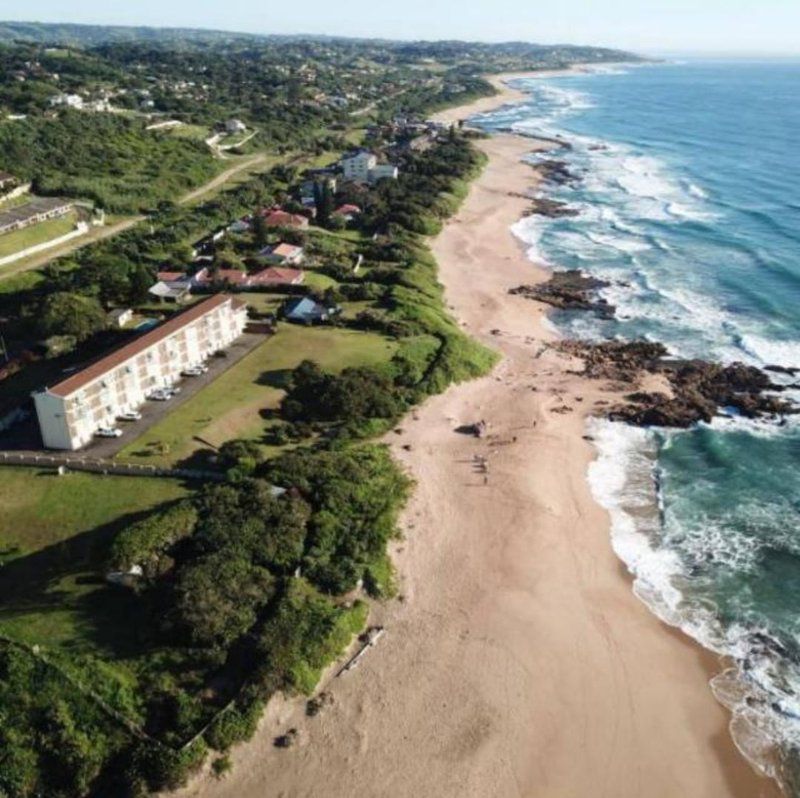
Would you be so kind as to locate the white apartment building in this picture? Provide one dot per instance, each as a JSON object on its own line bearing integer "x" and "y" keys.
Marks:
{"x": 363, "y": 167}
{"x": 357, "y": 167}
{"x": 71, "y": 412}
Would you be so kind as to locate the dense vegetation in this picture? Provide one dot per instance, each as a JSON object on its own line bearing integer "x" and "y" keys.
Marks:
{"x": 107, "y": 159}
{"x": 240, "y": 592}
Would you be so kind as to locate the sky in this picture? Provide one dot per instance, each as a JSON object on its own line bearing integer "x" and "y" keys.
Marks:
{"x": 762, "y": 27}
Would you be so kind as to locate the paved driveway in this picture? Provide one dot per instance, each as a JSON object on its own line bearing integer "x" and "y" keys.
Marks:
{"x": 153, "y": 412}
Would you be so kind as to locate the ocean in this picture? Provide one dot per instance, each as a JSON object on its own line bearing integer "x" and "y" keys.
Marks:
{"x": 689, "y": 200}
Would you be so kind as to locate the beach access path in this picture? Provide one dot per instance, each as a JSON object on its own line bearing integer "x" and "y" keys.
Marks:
{"x": 518, "y": 662}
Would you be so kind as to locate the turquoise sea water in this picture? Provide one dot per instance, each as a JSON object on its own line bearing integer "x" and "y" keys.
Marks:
{"x": 690, "y": 205}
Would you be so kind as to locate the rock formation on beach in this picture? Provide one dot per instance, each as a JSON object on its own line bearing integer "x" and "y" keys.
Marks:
{"x": 556, "y": 172}
{"x": 553, "y": 209}
{"x": 569, "y": 290}
{"x": 699, "y": 389}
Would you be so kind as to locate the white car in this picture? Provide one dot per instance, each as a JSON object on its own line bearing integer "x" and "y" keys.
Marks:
{"x": 131, "y": 415}
{"x": 159, "y": 396}
{"x": 109, "y": 432}
{"x": 196, "y": 371}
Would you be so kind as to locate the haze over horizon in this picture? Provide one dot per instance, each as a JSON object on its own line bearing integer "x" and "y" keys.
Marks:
{"x": 719, "y": 27}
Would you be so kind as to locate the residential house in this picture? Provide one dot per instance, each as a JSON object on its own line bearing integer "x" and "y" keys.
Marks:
{"x": 204, "y": 247}
{"x": 232, "y": 277}
{"x": 279, "y": 218}
{"x": 240, "y": 226}
{"x": 276, "y": 275}
{"x": 347, "y": 211}
{"x": 119, "y": 317}
{"x": 233, "y": 126}
{"x": 175, "y": 292}
{"x": 283, "y": 254}
{"x": 67, "y": 101}
{"x": 71, "y": 412}
{"x": 306, "y": 310}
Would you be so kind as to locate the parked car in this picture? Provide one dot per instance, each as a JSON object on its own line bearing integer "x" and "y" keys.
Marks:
{"x": 195, "y": 371}
{"x": 131, "y": 415}
{"x": 109, "y": 432}
{"x": 159, "y": 396}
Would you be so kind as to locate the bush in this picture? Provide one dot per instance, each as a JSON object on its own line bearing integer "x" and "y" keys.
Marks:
{"x": 234, "y": 726}
{"x": 147, "y": 542}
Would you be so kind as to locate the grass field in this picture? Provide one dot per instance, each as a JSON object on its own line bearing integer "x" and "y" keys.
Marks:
{"x": 55, "y": 532}
{"x": 194, "y": 132}
{"x": 230, "y": 407}
{"x": 11, "y": 243}
{"x": 41, "y": 509}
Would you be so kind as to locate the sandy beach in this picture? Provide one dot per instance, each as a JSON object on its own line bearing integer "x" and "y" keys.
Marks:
{"x": 517, "y": 661}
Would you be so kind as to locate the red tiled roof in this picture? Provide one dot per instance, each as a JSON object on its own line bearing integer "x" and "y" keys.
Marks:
{"x": 172, "y": 277}
{"x": 286, "y": 250}
{"x": 284, "y": 219}
{"x": 140, "y": 344}
{"x": 347, "y": 209}
{"x": 274, "y": 275}
{"x": 233, "y": 276}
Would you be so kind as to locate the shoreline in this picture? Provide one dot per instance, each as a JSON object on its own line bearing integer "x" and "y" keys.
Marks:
{"x": 519, "y": 661}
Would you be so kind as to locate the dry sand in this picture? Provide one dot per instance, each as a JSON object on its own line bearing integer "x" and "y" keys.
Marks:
{"x": 518, "y": 663}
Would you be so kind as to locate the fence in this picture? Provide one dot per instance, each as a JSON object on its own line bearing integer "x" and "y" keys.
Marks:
{"x": 107, "y": 467}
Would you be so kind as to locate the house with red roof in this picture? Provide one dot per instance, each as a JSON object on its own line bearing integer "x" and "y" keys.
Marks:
{"x": 232, "y": 277}
{"x": 348, "y": 211}
{"x": 275, "y": 275}
{"x": 280, "y": 218}
{"x": 283, "y": 254}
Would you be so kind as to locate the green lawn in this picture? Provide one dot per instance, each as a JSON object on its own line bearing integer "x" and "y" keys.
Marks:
{"x": 195, "y": 132}
{"x": 230, "y": 406}
{"x": 55, "y": 533}
{"x": 37, "y": 234}
{"x": 41, "y": 509}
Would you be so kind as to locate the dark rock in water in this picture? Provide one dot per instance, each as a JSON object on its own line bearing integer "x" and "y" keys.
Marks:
{"x": 553, "y": 209}
{"x": 699, "y": 389}
{"x": 783, "y": 370}
{"x": 570, "y": 290}
{"x": 557, "y": 172}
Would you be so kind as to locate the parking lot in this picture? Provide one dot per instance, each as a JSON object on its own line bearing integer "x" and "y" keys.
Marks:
{"x": 153, "y": 412}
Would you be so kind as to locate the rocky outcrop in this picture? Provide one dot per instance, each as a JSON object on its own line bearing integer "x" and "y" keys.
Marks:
{"x": 699, "y": 389}
{"x": 569, "y": 290}
{"x": 554, "y": 209}
{"x": 556, "y": 172}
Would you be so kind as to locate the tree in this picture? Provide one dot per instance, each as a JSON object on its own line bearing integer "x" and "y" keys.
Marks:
{"x": 66, "y": 313}
{"x": 260, "y": 232}
{"x": 218, "y": 598}
{"x": 326, "y": 208}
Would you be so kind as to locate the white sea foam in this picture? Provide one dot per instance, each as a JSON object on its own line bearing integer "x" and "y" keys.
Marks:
{"x": 696, "y": 191}
{"x": 761, "y": 690}
{"x": 620, "y": 243}
{"x": 774, "y": 353}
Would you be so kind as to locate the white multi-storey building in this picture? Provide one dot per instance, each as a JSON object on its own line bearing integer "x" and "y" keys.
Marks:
{"x": 363, "y": 167}
{"x": 358, "y": 166}
{"x": 71, "y": 412}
